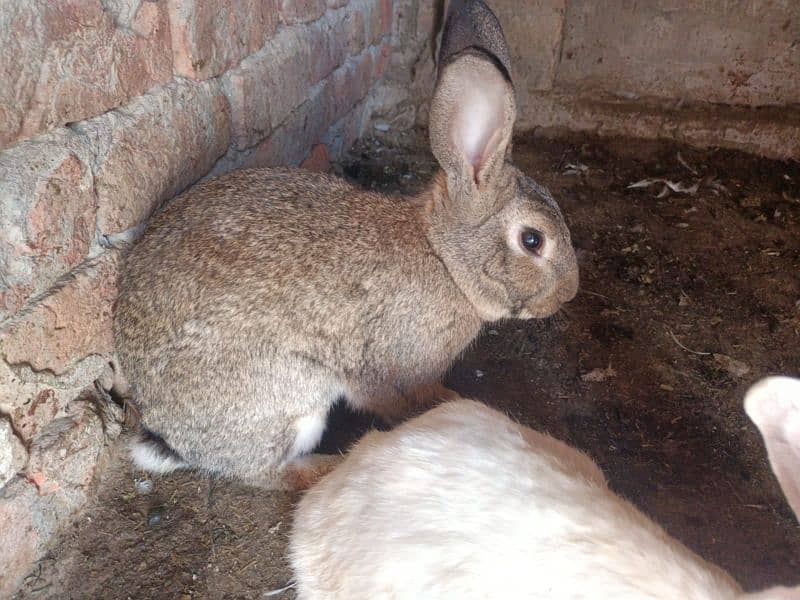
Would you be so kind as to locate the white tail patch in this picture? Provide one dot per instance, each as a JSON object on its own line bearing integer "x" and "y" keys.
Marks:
{"x": 148, "y": 457}
{"x": 309, "y": 433}
{"x": 773, "y": 404}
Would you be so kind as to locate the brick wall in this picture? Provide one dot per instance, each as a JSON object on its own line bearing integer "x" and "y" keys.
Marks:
{"x": 108, "y": 108}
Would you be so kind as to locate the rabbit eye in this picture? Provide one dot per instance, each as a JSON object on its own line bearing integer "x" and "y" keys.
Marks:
{"x": 532, "y": 240}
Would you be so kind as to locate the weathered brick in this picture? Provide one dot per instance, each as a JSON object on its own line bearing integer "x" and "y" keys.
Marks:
{"x": 354, "y": 31}
{"x": 343, "y": 134}
{"x": 159, "y": 144}
{"x": 32, "y": 400}
{"x": 386, "y": 16}
{"x": 381, "y": 56}
{"x": 210, "y": 37}
{"x": 290, "y": 143}
{"x": 250, "y": 106}
{"x": 284, "y": 63}
{"x": 20, "y": 538}
{"x": 318, "y": 159}
{"x": 65, "y": 453}
{"x": 375, "y": 22}
{"x": 349, "y": 84}
{"x": 327, "y": 48}
{"x": 64, "y": 462}
{"x": 67, "y": 60}
{"x": 68, "y": 325}
{"x": 47, "y": 211}
{"x": 301, "y": 11}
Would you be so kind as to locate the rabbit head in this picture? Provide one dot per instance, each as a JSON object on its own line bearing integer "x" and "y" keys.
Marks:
{"x": 501, "y": 235}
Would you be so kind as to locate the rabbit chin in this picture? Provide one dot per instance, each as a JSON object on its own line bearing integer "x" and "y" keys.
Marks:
{"x": 537, "y": 310}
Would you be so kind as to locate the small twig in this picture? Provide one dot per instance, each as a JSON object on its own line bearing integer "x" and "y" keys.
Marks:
{"x": 277, "y": 592}
{"x": 595, "y": 294}
{"x": 674, "y": 339}
{"x": 685, "y": 164}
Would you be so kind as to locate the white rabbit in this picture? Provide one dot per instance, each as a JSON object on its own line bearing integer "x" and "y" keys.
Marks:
{"x": 463, "y": 503}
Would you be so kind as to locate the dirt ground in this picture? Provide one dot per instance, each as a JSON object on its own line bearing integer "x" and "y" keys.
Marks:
{"x": 685, "y": 300}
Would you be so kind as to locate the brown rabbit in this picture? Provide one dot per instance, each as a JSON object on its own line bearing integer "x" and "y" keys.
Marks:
{"x": 255, "y": 300}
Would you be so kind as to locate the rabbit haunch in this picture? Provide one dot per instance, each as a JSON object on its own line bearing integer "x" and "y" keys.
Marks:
{"x": 462, "y": 502}
{"x": 255, "y": 300}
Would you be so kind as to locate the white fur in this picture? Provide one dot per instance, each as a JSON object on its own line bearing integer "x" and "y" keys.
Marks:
{"x": 147, "y": 458}
{"x": 463, "y": 503}
{"x": 309, "y": 433}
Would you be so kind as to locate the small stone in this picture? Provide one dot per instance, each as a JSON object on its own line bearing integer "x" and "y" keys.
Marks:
{"x": 734, "y": 367}
{"x": 155, "y": 518}
{"x": 382, "y": 126}
{"x": 598, "y": 375}
{"x": 479, "y": 373}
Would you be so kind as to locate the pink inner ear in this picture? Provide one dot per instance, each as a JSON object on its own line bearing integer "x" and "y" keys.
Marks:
{"x": 477, "y": 127}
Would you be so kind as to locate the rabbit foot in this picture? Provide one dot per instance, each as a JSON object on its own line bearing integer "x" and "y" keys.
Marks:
{"x": 304, "y": 471}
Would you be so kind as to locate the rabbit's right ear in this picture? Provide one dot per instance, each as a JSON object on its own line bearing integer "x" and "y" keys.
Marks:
{"x": 773, "y": 404}
{"x": 473, "y": 108}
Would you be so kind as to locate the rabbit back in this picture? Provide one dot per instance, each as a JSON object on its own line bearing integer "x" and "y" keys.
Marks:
{"x": 257, "y": 299}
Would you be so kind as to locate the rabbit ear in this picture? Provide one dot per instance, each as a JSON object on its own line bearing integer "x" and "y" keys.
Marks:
{"x": 473, "y": 108}
{"x": 773, "y": 404}
{"x": 472, "y": 24}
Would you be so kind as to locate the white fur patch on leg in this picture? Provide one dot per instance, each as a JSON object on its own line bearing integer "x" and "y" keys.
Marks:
{"x": 309, "y": 433}
{"x": 148, "y": 457}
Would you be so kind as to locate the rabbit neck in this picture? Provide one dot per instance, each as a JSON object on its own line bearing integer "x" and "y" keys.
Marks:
{"x": 448, "y": 240}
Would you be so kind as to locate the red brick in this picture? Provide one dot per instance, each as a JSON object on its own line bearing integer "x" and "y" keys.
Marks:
{"x": 350, "y": 84}
{"x": 290, "y": 143}
{"x": 158, "y": 145}
{"x": 326, "y": 49}
{"x": 375, "y": 23}
{"x": 48, "y": 206}
{"x": 302, "y": 11}
{"x": 382, "y": 56}
{"x": 19, "y": 538}
{"x": 67, "y": 60}
{"x": 318, "y": 159}
{"x": 354, "y": 31}
{"x": 286, "y": 69}
{"x": 210, "y": 37}
{"x": 386, "y": 16}
{"x": 250, "y": 106}
{"x": 68, "y": 325}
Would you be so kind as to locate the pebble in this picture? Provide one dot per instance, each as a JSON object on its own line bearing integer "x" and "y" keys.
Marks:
{"x": 155, "y": 518}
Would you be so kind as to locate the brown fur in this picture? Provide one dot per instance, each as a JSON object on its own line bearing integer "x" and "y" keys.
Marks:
{"x": 257, "y": 299}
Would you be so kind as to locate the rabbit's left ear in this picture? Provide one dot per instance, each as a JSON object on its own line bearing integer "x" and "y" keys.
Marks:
{"x": 473, "y": 108}
{"x": 773, "y": 404}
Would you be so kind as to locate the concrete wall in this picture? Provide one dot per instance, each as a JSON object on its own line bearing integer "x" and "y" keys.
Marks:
{"x": 108, "y": 108}
{"x": 708, "y": 72}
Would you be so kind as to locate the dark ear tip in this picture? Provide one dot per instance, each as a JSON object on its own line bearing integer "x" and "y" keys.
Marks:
{"x": 477, "y": 51}
{"x": 471, "y": 25}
